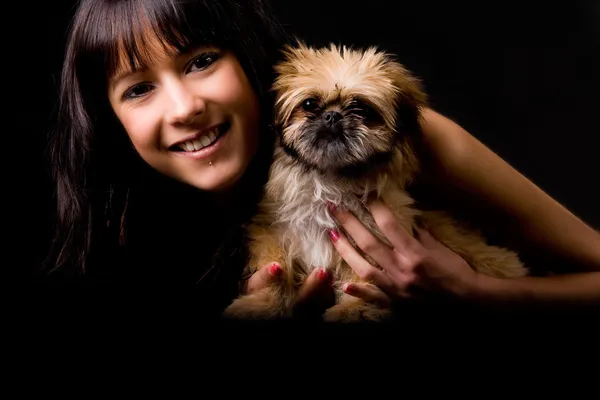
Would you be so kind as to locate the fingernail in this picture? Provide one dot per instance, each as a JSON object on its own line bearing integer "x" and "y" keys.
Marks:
{"x": 322, "y": 274}
{"x": 348, "y": 288}
{"x": 275, "y": 269}
{"x": 332, "y": 207}
{"x": 334, "y": 235}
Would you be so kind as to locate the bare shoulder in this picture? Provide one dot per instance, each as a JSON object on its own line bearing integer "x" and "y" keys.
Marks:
{"x": 435, "y": 123}
{"x": 466, "y": 164}
{"x": 446, "y": 138}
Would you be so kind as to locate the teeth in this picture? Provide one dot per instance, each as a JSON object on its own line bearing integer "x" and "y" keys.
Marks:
{"x": 201, "y": 142}
{"x": 197, "y": 144}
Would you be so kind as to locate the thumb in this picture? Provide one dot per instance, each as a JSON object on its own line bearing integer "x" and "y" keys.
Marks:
{"x": 264, "y": 277}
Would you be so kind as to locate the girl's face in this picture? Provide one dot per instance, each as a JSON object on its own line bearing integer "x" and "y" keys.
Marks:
{"x": 193, "y": 117}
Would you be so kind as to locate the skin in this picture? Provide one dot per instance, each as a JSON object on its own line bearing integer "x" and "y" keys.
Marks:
{"x": 424, "y": 263}
{"x": 466, "y": 163}
{"x": 315, "y": 294}
{"x": 177, "y": 97}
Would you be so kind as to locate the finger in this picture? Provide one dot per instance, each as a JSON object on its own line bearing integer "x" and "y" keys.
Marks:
{"x": 359, "y": 265}
{"x": 391, "y": 228}
{"x": 315, "y": 296}
{"x": 369, "y": 293}
{"x": 317, "y": 280}
{"x": 427, "y": 239}
{"x": 264, "y": 277}
{"x": 363, "y": 238}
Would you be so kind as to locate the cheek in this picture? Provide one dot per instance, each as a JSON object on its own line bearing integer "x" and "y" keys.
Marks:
{"x": 233, "y": 91}
{"x": 140, "y": 126}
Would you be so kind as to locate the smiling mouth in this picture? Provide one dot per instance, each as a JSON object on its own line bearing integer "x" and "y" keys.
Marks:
{"x": 202, "y": 142}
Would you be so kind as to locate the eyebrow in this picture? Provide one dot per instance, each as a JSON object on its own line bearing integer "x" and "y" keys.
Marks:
{"x": 125, "y": 74}
{"x": 186, "y": 51}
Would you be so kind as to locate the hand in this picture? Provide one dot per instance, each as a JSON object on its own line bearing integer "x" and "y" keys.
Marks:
{"x": 315, "y": 294}
{"x": 412, "y": 266}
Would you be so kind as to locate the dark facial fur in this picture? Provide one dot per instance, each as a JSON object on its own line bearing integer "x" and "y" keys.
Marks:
{"x": 343, "y": 111}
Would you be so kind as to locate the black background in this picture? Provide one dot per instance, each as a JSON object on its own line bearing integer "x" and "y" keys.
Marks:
{"x": 523, "y": 77}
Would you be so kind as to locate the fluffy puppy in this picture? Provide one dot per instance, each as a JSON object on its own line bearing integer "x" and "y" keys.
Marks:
{"x": 348, "y": 120}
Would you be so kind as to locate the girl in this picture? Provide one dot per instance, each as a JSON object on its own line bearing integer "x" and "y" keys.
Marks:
{"x": 163, "y": 143}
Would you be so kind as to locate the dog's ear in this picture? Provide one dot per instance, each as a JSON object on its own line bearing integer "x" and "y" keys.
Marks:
{"x": 410, "y": 87}
{"x": 411, "y": 97}
{"x": 296, "y": 57}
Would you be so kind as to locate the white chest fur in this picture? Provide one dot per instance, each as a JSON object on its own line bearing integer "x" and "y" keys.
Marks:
{"x": 298, "y": 200}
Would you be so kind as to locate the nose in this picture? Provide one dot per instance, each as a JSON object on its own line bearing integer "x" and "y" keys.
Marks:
{"x": 184, "y": 105}
{"x": 331, "y": 117}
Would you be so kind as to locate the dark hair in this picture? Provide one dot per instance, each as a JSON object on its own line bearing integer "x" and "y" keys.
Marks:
{"x": 92, "y": 160}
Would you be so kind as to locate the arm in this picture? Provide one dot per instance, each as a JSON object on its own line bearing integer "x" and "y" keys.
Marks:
{"x": 576, "y": 288}
{"x": 464, "y": 161}
{"x": 423, "y": 263}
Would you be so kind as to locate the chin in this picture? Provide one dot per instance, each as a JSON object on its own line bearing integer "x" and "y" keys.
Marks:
{"x": 217, "y": 179}
{"x": 348, "y": 124}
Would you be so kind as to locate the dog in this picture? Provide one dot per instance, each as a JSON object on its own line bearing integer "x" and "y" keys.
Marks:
{"x": 347, "y": 122}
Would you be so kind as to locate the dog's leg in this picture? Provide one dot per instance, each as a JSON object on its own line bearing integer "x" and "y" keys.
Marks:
{"x": 470, "y": 245}
{"x": 349, "y": 308}
{"x": 352, "y": 309}
{"x": 264, "y": 304}
{"x": 274, "y": 301}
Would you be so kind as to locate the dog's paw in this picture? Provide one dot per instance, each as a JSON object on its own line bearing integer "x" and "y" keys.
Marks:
{"x": 358, "y": 311}
{"x": 256, "y": 306}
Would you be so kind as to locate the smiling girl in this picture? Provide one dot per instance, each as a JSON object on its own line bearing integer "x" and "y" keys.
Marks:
{"x": 163, "y": 144}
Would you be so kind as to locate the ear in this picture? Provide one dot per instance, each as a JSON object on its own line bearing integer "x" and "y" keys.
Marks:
{"x": 410, "y": 101}
{"x": 411, "y": 97}
{"x": 408, "y": 85}
{"x": 297, "y": 57}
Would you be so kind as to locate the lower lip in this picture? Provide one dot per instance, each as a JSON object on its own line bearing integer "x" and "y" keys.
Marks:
{"x": 206, "y": 151}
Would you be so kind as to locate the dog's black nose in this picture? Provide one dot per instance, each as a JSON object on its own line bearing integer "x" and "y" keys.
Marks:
{"x": 332, "y": 117}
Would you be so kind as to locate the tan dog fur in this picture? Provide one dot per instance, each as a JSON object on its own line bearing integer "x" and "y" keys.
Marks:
{"x": 292, "y": 223}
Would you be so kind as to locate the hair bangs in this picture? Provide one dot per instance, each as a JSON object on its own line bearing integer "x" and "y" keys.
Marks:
{"x": 128, "y": 35}
{"x": 93, "y": 164}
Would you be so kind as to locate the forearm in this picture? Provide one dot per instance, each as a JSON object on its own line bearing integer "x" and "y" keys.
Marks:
{"x": 474, "y": 169}
{"x": 571, "y": 289}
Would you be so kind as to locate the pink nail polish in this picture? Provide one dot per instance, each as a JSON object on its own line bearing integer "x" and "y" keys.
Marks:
{"x": 334, "y": 235}
{"x": 332, "y": 207}
{"x": 322, "y": 274}
{"x": 348, "y": 288}
{"x": 275, "y": 269}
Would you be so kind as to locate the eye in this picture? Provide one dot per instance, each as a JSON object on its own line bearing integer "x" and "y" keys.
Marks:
{"x": 137, "y": 91}
{"x": 310, "y": 105}
{"x": 203, "y": 61}
{"x": 360, "y": 109}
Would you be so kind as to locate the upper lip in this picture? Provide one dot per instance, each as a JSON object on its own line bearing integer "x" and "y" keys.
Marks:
{"x": 195, "y": 136}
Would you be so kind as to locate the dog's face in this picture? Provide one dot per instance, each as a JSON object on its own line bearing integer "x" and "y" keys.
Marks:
{"x": 342, "y": 110}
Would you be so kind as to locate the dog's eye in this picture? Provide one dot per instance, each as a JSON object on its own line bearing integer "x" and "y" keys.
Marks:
{"x": 360, "y": 109}
{"x": 310, "y": 105}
